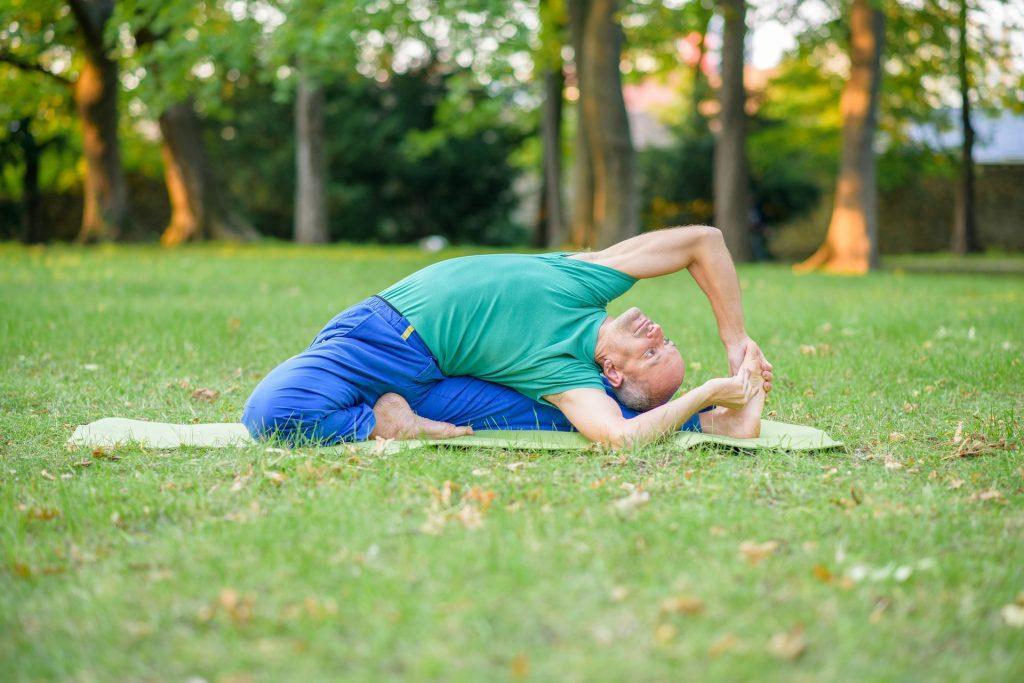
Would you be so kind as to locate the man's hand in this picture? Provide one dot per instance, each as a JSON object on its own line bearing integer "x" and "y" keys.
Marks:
{"x": 737, "y": 351}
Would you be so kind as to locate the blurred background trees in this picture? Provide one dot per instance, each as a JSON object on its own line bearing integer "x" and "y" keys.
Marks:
{"x": 551, "y": 122}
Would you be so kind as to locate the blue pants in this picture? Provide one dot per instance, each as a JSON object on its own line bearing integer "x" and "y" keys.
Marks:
{"x": 326, "y": 393}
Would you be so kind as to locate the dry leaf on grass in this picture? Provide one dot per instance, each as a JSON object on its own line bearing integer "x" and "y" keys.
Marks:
{"x": 205, "y": 394}
{"x": 1013, "y": 614}
{"x": 520, "y": 666}
{"x": 756, "y": 552}
{"x": 275, "y": 478}
{"x": 723, "y": 645}
{"x": 986, "y": 495}
{"x": 682, "y": 604}
{"x": 633, "y": 501}
{"x": 788, "y": 645}
{"x": 470, "y": 517}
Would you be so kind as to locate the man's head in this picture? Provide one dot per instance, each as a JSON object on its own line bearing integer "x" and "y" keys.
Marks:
{"x": 643, "y": 367}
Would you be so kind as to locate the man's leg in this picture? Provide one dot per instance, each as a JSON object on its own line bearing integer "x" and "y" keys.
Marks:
{"x": 332, "y": 391}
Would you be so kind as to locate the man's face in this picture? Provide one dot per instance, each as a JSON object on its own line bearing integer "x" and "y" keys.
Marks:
{"x": 642, "y": 353}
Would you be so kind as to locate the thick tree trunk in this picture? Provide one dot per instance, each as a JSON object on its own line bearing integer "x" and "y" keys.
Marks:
{"x": 582, "y": 228}
{"x": 552, "y": 231}
{"x": 731, "y": 192}
{"x": 311, "y": 165}
{"x": 965, "y": 228}
{"x": 199, "y": 209}
{"x": 105, "y": 212}
{"x": 851, "y": 242}
{"x": 616, "y": 203}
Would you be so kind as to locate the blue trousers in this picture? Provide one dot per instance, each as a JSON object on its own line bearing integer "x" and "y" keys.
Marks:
{"x": 326, "y": 393}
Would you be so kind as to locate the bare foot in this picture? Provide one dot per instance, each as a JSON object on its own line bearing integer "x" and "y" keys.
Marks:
{"x": 396, "y": 420}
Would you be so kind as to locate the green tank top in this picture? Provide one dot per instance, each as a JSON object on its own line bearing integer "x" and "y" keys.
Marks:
{"x": 528, "y": 322}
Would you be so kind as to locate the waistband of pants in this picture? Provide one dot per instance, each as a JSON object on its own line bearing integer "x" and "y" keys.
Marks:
{"x": 398, "y": 322}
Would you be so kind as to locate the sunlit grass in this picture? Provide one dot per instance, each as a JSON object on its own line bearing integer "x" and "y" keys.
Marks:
{"x": 894, "y": 559}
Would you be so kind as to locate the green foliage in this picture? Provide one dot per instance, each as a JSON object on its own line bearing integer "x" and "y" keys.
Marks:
{"x": 382, "y": 185}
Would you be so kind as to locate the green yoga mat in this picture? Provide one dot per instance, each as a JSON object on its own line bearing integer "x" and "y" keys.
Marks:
{"x": 111, "y": 431}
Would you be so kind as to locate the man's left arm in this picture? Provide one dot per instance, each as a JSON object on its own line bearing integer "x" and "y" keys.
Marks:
{"x": 701, "y": 250}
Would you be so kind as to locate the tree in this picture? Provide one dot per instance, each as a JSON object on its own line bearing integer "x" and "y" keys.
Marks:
{"x": 199, "y": 208}
{"x": 851, "y": 241}
{"x": 310, "y": 163}
{"x": 168, "y": 49}
{"x": 94, "y": 91}
{"x": 582, "y": 228}
{"x": 965, "y": 228}
{"x": 615, "y": 206}
{"x": 552, "y": 230}
{"x": 731, "y": 191}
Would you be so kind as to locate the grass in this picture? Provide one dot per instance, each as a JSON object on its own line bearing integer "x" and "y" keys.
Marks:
{"x": 890, "y": 560}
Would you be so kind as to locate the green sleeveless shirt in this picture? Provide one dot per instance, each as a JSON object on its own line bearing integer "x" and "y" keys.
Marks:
{"x": 528, "y": 322}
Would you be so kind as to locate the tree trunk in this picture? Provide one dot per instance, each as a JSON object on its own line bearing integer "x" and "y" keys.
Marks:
{"x": 731, "y": 191}
{"x": 199, "y": 209}
{"x": 582, "y": 228}
{"x": 965, "y": 228}
{"x": 616, "y": 203}
{"x": 31, "y": 150}
{"x": 851, "y": 242}
{"x": 552, "y": 232}
{"x": 105, "y": 212}
{"x": 311, "y": 165}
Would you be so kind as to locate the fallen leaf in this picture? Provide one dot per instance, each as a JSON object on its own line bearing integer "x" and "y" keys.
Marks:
{"x": 46, "y": 475}
{"x": 633, "y": 501}
{"x": 44, "y": 514}
{"x": 82, "y": 463}
{"x": 788, "y": 645}
{"x": 822, "y": 573}
{"x": 987, "y": 494}
{"x": 757, "y": 552}
{"x": 665, "y": 632}
{"x": 481, "y": 496}
{"x": 897, "y": 436}
{"x": 205, "y": 394}
{"x": 808, "y": 350}
{"x": 520, "y": 666}
{"x": 470, "y": 517}
{"x": 722, "y": 645}
{"x": 955, "y": 483}
{"x": 513, "y": 466}
{"x": 618, "y": 593}
{"x": 275, "y": 477}
{"x": 891, "y": 463}
{"x": 682, "y": 604}
{"x": 1013, "y": 615}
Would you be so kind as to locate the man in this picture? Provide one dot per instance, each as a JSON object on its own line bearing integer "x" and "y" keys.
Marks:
{"x": 514, "y": 341}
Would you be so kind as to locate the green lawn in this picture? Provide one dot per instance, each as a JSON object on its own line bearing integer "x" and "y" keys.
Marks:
{"x": 894, "y": 559}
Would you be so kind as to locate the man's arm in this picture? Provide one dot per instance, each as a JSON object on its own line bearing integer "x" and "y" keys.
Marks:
{"x": 701, "y": 250}
{"x": 597, "y": 416}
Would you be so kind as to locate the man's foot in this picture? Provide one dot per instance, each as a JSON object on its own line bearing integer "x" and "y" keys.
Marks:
{"x": 396, "y": 420}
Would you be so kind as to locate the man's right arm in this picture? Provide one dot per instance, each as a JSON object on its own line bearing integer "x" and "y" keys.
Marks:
{"x": 597, "y": 416}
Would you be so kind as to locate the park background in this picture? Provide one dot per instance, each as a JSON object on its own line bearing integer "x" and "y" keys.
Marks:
{"x": 161, "y": 159}
{"x": 487, "y": 123}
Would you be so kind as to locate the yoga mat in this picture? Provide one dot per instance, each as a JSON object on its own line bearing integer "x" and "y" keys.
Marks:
{"x": 111, "y": 431}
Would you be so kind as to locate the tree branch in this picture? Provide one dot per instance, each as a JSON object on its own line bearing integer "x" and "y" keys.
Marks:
{"x": 25, "y": 65}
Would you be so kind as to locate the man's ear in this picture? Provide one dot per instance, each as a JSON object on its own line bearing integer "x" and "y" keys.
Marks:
{"x": 615, "y": 378}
